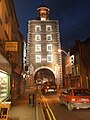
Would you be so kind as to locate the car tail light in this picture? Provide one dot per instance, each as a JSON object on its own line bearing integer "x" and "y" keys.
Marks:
{"x": 47, "y": 87}
{"x": 73, "y": 99}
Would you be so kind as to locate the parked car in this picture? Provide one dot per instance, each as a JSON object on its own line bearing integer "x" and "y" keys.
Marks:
{"x": 49, "y": 86}
{"x": 75, "y": 98}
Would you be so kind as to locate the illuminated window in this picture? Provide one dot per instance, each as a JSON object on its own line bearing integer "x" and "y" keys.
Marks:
{"x": 48, "y": 28}
{"x": 77, "y": 71}
{"x": 49, "y": 47}
{"x": 37, "y": 28}
{"x": 43, "y": 19}
{"x": 38, "y": 37}
{"x": 49, "y": 58}
{"x": 49, "y": 37}
{"x": 72, "y": 59}
{"x": 37, "y": 47}
{"x": 38, "y": 58}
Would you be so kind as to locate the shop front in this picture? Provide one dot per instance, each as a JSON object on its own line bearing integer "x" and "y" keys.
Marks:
{"x": 4, "y": 86}
{"x": 5, "y": 72}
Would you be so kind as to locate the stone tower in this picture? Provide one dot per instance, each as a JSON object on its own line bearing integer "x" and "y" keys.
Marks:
{"x": 43, "y": 42}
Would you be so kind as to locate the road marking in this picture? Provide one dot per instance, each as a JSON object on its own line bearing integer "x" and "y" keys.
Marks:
{"x": 48, "y": 109}
{"x": 51, "y": 112}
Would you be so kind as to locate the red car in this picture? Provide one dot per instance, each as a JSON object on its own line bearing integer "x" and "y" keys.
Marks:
{"x": 75, "y": 98}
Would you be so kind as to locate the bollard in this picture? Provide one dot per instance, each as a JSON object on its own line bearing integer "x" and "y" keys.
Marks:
{"x": 32, "y": 99}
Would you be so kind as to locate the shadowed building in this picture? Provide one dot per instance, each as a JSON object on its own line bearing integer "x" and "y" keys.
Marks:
{"x": 77, "y": 73}
{"x": 11, "y": 41}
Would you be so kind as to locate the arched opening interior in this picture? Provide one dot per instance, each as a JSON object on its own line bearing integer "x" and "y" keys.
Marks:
{"x": 44, "y": 74}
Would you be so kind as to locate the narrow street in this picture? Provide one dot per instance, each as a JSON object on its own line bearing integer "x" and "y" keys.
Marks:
{"x": 44, "y": 47}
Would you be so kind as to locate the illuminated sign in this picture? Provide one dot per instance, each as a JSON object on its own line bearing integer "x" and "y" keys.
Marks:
{"x": 11, "y": 46}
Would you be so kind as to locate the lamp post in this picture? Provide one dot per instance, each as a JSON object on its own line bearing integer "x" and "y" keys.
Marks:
{"x": 60, "y": 50}
{"x": 65, "y": 67}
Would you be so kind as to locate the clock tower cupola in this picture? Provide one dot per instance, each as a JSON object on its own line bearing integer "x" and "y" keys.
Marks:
{"x": 43, "y": 12}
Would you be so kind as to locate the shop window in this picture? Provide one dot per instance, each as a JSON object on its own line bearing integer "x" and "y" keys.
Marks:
{"x": 4, "y": 86}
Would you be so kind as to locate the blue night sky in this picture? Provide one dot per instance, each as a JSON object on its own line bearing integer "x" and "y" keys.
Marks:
{"x": 73, "y": 17}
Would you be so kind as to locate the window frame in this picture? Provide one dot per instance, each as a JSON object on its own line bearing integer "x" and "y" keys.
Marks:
{"x": 49, "y": 37}
{"x": 51, "y": 57}
{"x": 37, "y": 36}
{"x": 38, "y": 56}
{"x": 49, "y": 46}
{"x": 38, "y": 47}
{"x": 37, "y": 28}
{"x": 48, "y": 28}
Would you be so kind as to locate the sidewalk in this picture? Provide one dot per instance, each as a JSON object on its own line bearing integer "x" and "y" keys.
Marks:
{"x": 22, "y": 110}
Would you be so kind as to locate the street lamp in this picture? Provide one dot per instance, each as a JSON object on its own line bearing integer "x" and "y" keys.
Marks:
{"x": 60, "y": 50}
{"x": 65, "y": 67}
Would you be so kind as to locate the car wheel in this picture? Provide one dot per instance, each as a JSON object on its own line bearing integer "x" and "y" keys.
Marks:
{"x": 70, "y": 107}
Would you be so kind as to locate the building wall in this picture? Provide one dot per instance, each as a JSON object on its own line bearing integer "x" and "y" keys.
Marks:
{"x": 9, "y": 32}
{"x": 80, "y": 77}
{"x": 85, "y": 64}
{"x": 55, "y": 42}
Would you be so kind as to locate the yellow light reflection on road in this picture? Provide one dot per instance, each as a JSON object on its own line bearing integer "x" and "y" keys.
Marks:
{"x": 48, "y": 109}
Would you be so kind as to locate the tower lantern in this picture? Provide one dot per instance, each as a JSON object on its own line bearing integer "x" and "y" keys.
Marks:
{"x": 43, "y": 12}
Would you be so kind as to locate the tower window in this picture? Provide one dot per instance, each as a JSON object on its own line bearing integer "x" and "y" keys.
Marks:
{"x": 49, "y": 37}
{"x": 43, "y": 19}
{"x": 37, "y": 47}
{"x": 50, "y": 58}
{"x": 38, "y": 37}
{"x": 38, "y": 58}
{"x": 49, "y": 47}
{"x": 48, "y": 28}
{"x": 37, "y": 28}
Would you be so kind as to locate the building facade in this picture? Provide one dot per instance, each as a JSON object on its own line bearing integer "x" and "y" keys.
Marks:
{"x": 79, "y": 67}
{"x": 43, "y": 59}
{"x": 10, "y": 51}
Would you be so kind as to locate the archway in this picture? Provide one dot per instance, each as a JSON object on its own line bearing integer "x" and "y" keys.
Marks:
{"x": 45, "y": 74}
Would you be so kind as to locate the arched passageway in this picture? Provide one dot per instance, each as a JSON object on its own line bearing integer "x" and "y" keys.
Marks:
{"x": 44, "y": 74}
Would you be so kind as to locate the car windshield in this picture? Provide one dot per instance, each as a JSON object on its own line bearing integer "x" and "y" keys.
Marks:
{"x": 82, "y": 92}
{"x": 50, "y": 83}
